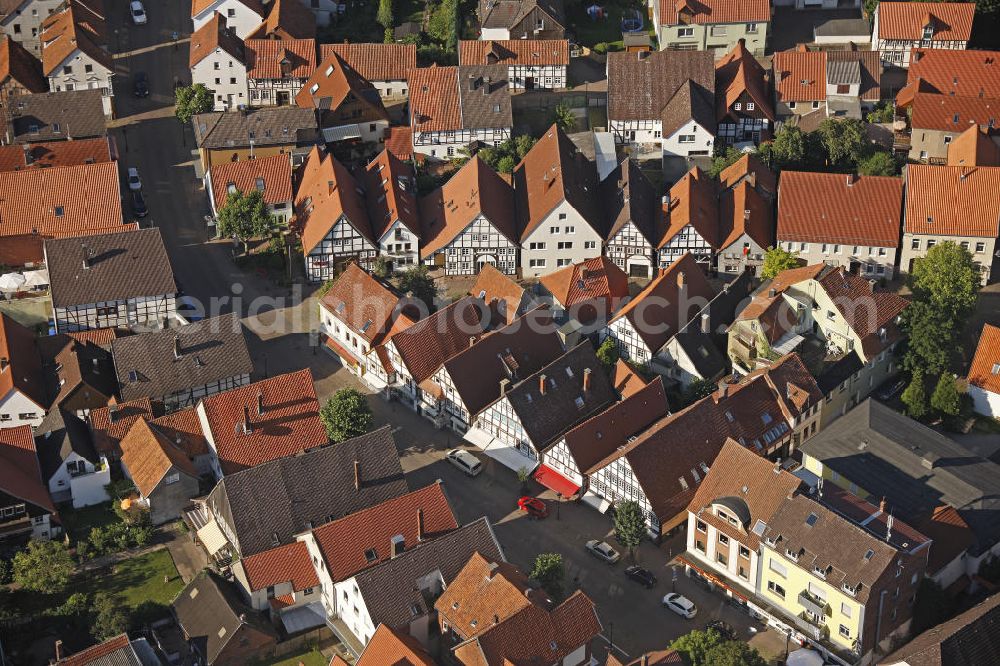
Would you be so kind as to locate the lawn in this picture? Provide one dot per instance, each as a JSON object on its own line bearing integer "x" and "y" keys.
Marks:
{"x": 138, "y": 580}
{"x": 78, "y": 522}
{"x": 311, "y": 658}
{"x": 608, "y": 29}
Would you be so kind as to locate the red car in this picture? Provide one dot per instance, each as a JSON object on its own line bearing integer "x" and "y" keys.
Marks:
{"x": 533, "y": 506}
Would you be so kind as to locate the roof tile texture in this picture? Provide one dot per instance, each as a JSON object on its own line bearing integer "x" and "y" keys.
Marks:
{"x": 287, "y": 563}
{"x": 149, "y": 455}
{"x": 280, "y": 59}
{"x": 953, "y": 201}
{"x": 375, "y": 62}
{"x": 952, "y": 21}
{"x": 275, "y": 171}
{"x": 536, "y": 52}
{"x": 984, "y": 372}
{"x": 714, "y": 11}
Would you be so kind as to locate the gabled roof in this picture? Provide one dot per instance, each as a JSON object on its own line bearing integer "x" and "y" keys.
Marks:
{"x": 391, "y": 191}
{"x": 215, "y": 35}
{"x": 328, "y": 192}
{"x": 283, "y": 415}
{"x": 627, "y": 382}
{"x": 951, "y": 21}
{"x": 74, "y": 365}
{"x": 389, "y": 646}
{"x": 952, "y": 201}
{"x": 742, "y": 210}
{"x": 335, "y": 82}
{"x": 427, "y": 344}
{"x": 499, "y": 292}
{"x": 280, "y": 59}
{"x": 270, "y": 126}
{"x": 149, "y": 455}
{"x": 22, "y": 362}
{"x": 839, "y": 208}
{"x": 289, "y": 563}
{"x": 20, "y": 472}
{"x": 117, "y": 651}
{"x": 269, "y": 504}
{"x": 641, "y": 85}
{"x": 985, "y": 369}
{"x": 974, "y": 147}
{"x": 272, "y": 175}
{"x": 510, "y": 353}
{"x": 510, "y": 13}
{"x": 673, "y": 12}
{"x": 576, "y": 388}
{"x": 694, "y": 200}
{"x": 119, "y": 266}
{"x": 198, "y": 6}
{"x": 18, "y": 64}
{"x": 168, "y": 361}
{"x": 739, "y": 73}
{"x": 484, "y": 94}
{"x": 952, "y": 113}
{"x": 375, "y": 62}
{"x": 528, "y": 52}
{"x": 593, "y": 284}
{"x": 363, "y": 539}
{"x": 628, "y": 196}
{"x": 48, "y": 154}
{"x": 183, "y": 428}
{"x": 287, "y": 19}
{"x": 55, "y": 116}
{"x": 970, "y": 638}
{"x": 552, "y": 172}
{"x": 58, "y": 436}
{"x": 73, "y": 26}
{"x": 741, "y": 479}
{"x": 109, "y": 424}
{"x": 948, "y": 72}
{"x": 656, "y": 313}
{"x": 363, "y": 303}
{"x": 802, "y": 75}
{"x": 751, "y": 169}
{"x": 475, "y": 190}
{"x": 599, "y": 436}
{"x": 870, "y": 314}
{"x": 435, "y": 105}
{"x": 762, "y": 306}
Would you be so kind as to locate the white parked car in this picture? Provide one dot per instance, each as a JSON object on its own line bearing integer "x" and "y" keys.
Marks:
{"x": 134, "y": 182}
{"x": 603, "y": 551}
{"x": 465, "y": 461}
{"x": 680, "y": 605}
{"x": 138, "y": 12}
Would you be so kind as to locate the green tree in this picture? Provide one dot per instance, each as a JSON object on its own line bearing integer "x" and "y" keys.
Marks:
{"x": 108, "y": 617}
{"x": 5, "y": 571}
{"x": 77, "y": 604}
{"x": 931, "y": 338}
{"x": 443, "y": 24}
{"x": 384, "y": 16}
{"x": 380, "y": 267}
{"x": 777, "y": 259}
{"x": 698, "y": 389}
{"x": 549, "y": 571}
{"x": 879, "y": 163}
{"x": 844, "y": 140}
{"x": 694, "y": 645}
{"x": 882, "y": 113}
{"x": 504, "y": 158}
{"x": 608, "y": 353}
{"x": 563, "y": 117}
{"x": 734, "y": 653}
{"x": 946, "y": 398}
{"x": 244, "y": 216}
{"x": 787, "y": 150}
{"x": 346, "y": 415}
{"x": 915, "y": 396}
{"x": 630, "y": 525}
{"x": 44, "y": 566}
{"x": 418, "y": 283}
{"x": 723, "y": 161}
{"x": 388, "y": 37}
{"x": 191, "y": 100}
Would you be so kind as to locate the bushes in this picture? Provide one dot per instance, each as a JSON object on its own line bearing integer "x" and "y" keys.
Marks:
{"x": 116, "y": 537}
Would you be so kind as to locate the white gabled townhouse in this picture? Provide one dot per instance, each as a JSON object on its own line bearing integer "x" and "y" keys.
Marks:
{"x": 243, "y": 16}
{"x": 218, "y": 62}
{"x": 22, "y": 22}
{"x": 984, "y": 374}
{"x": 23, "y": 391}
{"x": 385, "y": 66}
{"x": 532, "y": 64}
{"x": 26, "y": 509}
{"x": 348, "y": 106}
{"x": 393, "y": 209}
{"x": 278, "y": 69}
{"x": 74, "y": 56}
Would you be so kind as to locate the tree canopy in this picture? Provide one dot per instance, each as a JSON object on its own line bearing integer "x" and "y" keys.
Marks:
{"x": 346, "y": 415}
{"x": 505, "y": 157}
{"x": 417, "y": 283}
{"x": 192, "y": 100}
{"x": 915, "y": 396}
{"x": 549, "y": 571}
{"x": 44, "y": 566}
{"x": 630, "y": 525}
{"x": 694, "y": 645}
{"x": 946, "y": 398}
{"x": 777, "y": 259}
{"x": 723, "y": 161}
{"x": 608, "y": 353}
{"x": 563, "y": 117}
{"x": 244, "y": 216}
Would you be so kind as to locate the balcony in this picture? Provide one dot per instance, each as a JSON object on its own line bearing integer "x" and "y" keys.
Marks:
{"x": 813, "y": 604}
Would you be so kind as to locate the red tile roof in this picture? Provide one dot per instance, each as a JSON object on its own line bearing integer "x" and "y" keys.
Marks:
{"x": 390, "y": 647}
{"x": 287, "y": 19}
{"x": 18, "y": 64}
{"x": 948, "y": 113}
{"x": 428, "y": 343}
{"x": 20, "y": 473}
{"x": 334, "y": 82}
{"x": 536, "y": 52}
{"x": 149, "y": 455}
{"x": 953, "y": 201}
{"x": 694, "y": 201}
{"x": 974, "y": 147}
{"x": 965, "y": 73}
{"x": 327, "y": 191}
{"x": 73, "y": 26}
{"x": 626, "y": 380}
{"x": 102, "y": 337}
{"x": 984, "y": 371}
{"x": 499, "y": 291}
{"x": 109, "y": 424}
{"x": 366, "y": 305}
{"x": 738, "y": 73}
{"x": 183, "y": 427}
{"x": 198, "y": 6}
{"x": 362, "y": 539}
{"x": 284, "y": 564}
{"x": 839, "y": 208}
{"x": 214, "y": 35}
{"x": 391, "y": 192}
{"x": 866, "y": 311}
{"x": 276, "y": 172}
{"x": 756, "y": 173}
{"x": 434, "y": 101}
{"x": 950, "y": 535}
{"x": 18, "y": 157}
{"x": 280, "y": 59}
{"x": 23, "y": 369}
{"x": 952, "y": 21}
{"x": 715, "y": 11}
{"x": 102, "y": 653}
{"x": 801, "y": 75}
{"x": 290, "y": 422}
{"x": 399, "y": 142}
{"x": 598, "y": 281}
{"x": 375, "y": 62}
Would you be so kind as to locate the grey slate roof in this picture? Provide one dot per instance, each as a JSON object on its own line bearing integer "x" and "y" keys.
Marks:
{"x": 284, "y": 496}
{"x": 121, "y": 266}
{"x": 508, "y": 13}
{"x": 209, "y": 604}
{"x": 641, "y": 86}
{"x": 55, "y": 116}
{"x": 211, "y": 350}
{"x": 484, "y": 109}
{"x": 914, "y": 467}
{"x": 268, "y": 127}
{"x": 843, "y": 72}
{"x": 58, "y": 436}
{"x": 564, "y": 404}
{"x": 834, "y": 376}
{"x": 843, "y": 28}
{"x": 969, "y": 639}
{"x": 390, "y": 590}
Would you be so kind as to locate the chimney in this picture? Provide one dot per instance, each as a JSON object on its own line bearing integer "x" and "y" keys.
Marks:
{"x": 86, "y": 257}
{"x": 723, "y": 390}
{"x": 586, "y": 380}
{"x": 881, "y": 505}
{"x": 706, "y": 325}
{"x": 504, "y": 386}
{"x": 28, "y": 159}
{"x": 397, "y": 545}
{"x": 260, "y": 403}
{"x": 541, "y": 384}
{"x": 357, "y": 475}
{"x": 771, "y": 293}
{"x": 177, "y": 347}
{"x": 681, "y": 279}
{"x": 58, "y": 650}
{"x": 112, "y": 413}
{"x": 247, "y": 426}
{"x": 473, "y": 82}
{"x": 486, "y": 85}
{"x": 420, "y": 525}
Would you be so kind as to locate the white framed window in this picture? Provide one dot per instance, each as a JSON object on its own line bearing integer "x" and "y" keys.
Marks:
{"x": 571, "y": 230}
{"x": 751, "y": 106}
{"x": 685, "y": 32}
{"x": 686, "y": 138}
{"x": 738, "y": 106}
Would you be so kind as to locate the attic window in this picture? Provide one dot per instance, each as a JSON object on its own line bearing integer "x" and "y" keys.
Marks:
{"x": 759, "y": 527}
{"x": 569, "y": 372}
{"x": 869, "y": 555}
{"x": 811, "y": 519}
{"x": 579, "y": 402}
{"x": 329, "y": 71}
{"x": 60, "y": 211}
{"x": 766, "y": 418}
{"x": 482, "y": 294}
{"x": 222, "y": 632}
{"x": 133, "y": 376}
{"x": 313, "y": 88}
{"x": 259, "y": 184}
{"x": 496, "y": 109}
{"x": 371, "y": 555}
{"x": 193, "y": 593}
{"x": 996, "y": 369}
{"x": 231, "y": 188}
{"x": 684, "y": 484}
{"x": 954, "y": 118}
{"x": 729, "y": 416}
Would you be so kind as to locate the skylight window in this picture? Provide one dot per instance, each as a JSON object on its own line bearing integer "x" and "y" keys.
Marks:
{"x": 811, "y": 519}
{"x": 869, "y": 555}
{"x": 579, "y": 402}
{"x": 371, "y": 555}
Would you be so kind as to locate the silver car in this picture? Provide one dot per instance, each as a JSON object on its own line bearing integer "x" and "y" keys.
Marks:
{"x": 603, "y": 551}
{"x": 680, "y": 605}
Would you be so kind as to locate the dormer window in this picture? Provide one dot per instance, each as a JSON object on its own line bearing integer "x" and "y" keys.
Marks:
{"x": 794, "y": 557}
{"x": 928, "y": 31}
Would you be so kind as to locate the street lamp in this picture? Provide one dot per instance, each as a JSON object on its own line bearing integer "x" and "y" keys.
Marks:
{"x": 558, "y": 503}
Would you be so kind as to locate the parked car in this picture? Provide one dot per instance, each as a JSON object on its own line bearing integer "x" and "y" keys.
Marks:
{"x": 642, "y": 576}
{"x": 465, "y": 461}
{"x": 134, "y": 182}
{"x": 139, "y": 204}
{"x": 140, "y": 84}
{"x": 725, "y": 629}
{"x": 890, "y": 389}
{"x": 533, "y": 506}
{"x": 680, "y": 605}
{"x": 603, "y": 551}
{"x": 138, "y": 12}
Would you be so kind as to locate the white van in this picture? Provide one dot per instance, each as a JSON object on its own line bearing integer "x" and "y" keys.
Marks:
{"x": 465, "y": 461}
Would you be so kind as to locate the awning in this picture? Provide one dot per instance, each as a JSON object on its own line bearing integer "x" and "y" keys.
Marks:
{"x": 342, "y": 133}
{"x": 212, "y": 538}
{"x": 787, "y": 344}
{"x": 553, "y": 480}
{"x": 345, "y": 356}
{"x": 38, "y": 278}
{"x": 714, "y": 578}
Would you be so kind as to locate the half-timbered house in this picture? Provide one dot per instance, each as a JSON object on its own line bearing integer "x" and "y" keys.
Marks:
{"x": 393, "y": 209}
{"x": 349, "y": 106}
{"x": 633, "y": 219}
{"x": 692, "y": 220}
{"x": 385, "y": 66}
{"x": 744, "y": 111}
{"x": 277, "y": 69}
{"x": 532, "y": 64}
{"x": 521, "y": 19}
